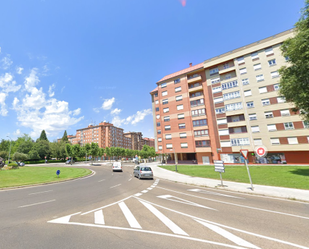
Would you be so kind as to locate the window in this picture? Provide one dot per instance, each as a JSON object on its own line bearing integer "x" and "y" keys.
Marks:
{"x": 224, "y": 132}
{"x": 265, "y": 102}
{"x": 257, "y": 141}
{"x": 243, "y": 70}
{"x": 276, "y": 87}
{"x": 285, "y": 112}
{"x": 169, "y": 146}
{"x": 221, "y": 121}
{"x": 204, "y": 143}
{"x": 218, "y": 100}
{"x": 177, "y": 81}
{"x": 196, "y": 94}
{"x": 292, "y": 140}
{"x": 158, "y": 124}
{"x": 164, "y": 93}
{"x": 166, "y": 118}
{"x": 263, "y": 89}
{"x": 240, "y": 60}
{"x": 233, "y": 107}
{"x": 160, "y": 147}
{"x": 255, "y": 129}
{"x": 216, "y": 89}
{"x": 252, "y": 116}
{"x": 269, "y": 51}
{"x": 194, "y": 85}
{"x": 159, "y": 131}
{"x": 177, "y": 89}
{"x": 215, "y": 80}
{"x": 245, "y": 81}
{"x": 198, "y": 112}
{"x": 163, "y": 85}
{"x": 225, "y": 144}
{"x": 200, "y": 122}
{"x": 165, "y": 101}
{"x": 250, "y": 104}
{"x": 201, "y": 133}
{"x": 179, "y": 107}
{"x": 274, "y": 74}
{"x": 240, "y": 141}
{"x": 168, "y": 136}
{"x": 272, "y": 62}
{"x": 235, "y": 118}
{"x": 254, "y": 56}
{"x": 226, "y": 65}
{"x": 274, "y": 141}
{"x": 306, "y": 124}
{"x": 281, "y": 99}
{"x": 288, "y": 126}
{"x": 271, "y": 127}
{"x": 247, "y": 93}
{"x": 183, "y": 135}
{"x": 165, "y": 110}
{"x": 230, "y": 84}
{"x": 268, "y": 114}
{"x": 178, "y": 98}
{"x": 213, "y": 71}
{"x": 184, "y": 145}
{"x": 181, "y": 116}
{"x": 231, "y": 95}
{"x": 167, "y": 127}
{"x": 259, "y": 77}
{"x": 196, "y": 102}
{"x": 228, "y": 76}
{"x": 157, "y": 109}
{"x": 157, "y": 102}
{"x": 182, "y": 126}
{"x": 158, "y": 116}
{"x": 220, "y": 110}
{"x": 159, "y": 139}
{"x": 257, "y": 66}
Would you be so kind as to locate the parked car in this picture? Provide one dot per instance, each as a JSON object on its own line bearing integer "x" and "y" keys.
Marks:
{"x": 69, "y": 161}
{"x": 20, "y": 163}
{"x": 117, "y": 166}
{"x": 143, "y": 172}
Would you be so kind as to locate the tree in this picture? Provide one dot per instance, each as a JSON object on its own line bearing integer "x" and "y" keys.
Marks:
{"x": 87, "y": 149}
{"x": 294, "y": 82}
{"x": 25, "y": 147}
{"x": 94, "y": 151}
{"x": 68, "y": 149}
{"x": 112, "y": 151}
{"x": 101, "y": 152}
{"x": 117, "y": 152}
{"x": 65, "y": 137}
{"x": 107, "y": 151}
{"x": 4, "y": 154}
{"x": 43, "y": 136}
{"x": 20, "y": 156}
{"x": 42, "y": 149}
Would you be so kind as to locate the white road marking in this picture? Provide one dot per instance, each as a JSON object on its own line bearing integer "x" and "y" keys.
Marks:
{"x": 144, "y": 191}
{"x": 129, "y": 216}
{"x": 116, "y": 186}
{"x": 138, "y": 194}
{"x": 99, "y": 217}
{"x": 130, "y": 179}
{"x": 228, "y": 235}
{"x": 101, "y": 180}
{"x": 41, "y": 192}
{"x": 170, "y": 224}
{"x": 64, "y": 219}
{"x": 38, "y": 203}
{"x": 149, "y": 188}
{"x": 213, "y": 193}
{"x": 238, "y": 205}
{"x": 177, "y": 199}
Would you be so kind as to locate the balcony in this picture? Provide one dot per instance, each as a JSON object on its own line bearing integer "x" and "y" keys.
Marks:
{"x": 195, "y": 88}
{"x": 194, "y": 78}
{"x": 227, "y": 69}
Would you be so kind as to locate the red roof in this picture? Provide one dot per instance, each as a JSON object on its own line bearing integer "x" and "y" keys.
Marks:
{"x": 183, "y": 71}
{"x": 154, "y": 90}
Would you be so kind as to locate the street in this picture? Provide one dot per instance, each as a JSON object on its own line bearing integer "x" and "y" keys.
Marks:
{"x": 116, "y": 210}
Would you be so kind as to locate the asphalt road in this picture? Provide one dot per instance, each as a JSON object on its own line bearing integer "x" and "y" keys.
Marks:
{"x": 115, "y": 210}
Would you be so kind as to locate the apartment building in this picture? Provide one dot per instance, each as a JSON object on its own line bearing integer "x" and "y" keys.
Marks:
{"x": 148, "y": 141}
{"x": 136, "y": 139}
{"x": 230, "y": 102}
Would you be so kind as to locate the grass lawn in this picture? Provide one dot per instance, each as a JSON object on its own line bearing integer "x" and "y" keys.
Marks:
{"x": 281, "y": 176}
{"x": 34, "y": 175}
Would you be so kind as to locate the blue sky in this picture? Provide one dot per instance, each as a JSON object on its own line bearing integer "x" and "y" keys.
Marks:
{"x": 65, "y": 64}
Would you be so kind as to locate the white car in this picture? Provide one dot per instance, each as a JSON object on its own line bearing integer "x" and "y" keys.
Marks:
{"x": 117, "y": 166}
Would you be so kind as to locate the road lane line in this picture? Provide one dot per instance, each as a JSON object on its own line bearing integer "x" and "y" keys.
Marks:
{"x": 99, "y": 217}
{"x": 130, "y": 179}
{"x": 101, "y": 180}
{"x": 238, "y": 205}
{"x": 38, "y": 203}
{"x": 116, "y": 186}
{"x": 228, "y": 235}
{"x": 129, "y": 216}
{"x": 149, "y": 188}
{"x": 138, "y": 194}
{"x": 213, "y": 193}
{"x": 144, "y": 191}
{"x": 36, "y": 193}
{"x": 170, "y": 224}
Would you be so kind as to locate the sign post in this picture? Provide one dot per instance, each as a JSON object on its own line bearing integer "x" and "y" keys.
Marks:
{"x": 219, "y": 167}
{"x": 58, "y": 172}
{"x": 245, "y": 153}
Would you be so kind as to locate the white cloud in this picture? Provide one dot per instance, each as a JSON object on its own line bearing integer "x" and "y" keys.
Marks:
{"x": 17, "y": 132}
{"x": 3, "y": 110}
{"x": 51, "y": 92}
{"x": 116, "y": 111}
{"x": 133, "y": 119}
{"x": 108, "y": 104}
{"x": 117, "y": 121}
{"x": 19, "y": 70}
{"x": 37, "y": 112}
{"x": 6, "y": 62}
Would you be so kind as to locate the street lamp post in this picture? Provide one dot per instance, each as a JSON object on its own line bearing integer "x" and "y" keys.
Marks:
{"x": 176, "y": 159}
{"x": 10, "y": 149}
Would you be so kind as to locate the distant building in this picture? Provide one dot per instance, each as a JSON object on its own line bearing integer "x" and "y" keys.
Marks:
{"x": 136, "y": 139}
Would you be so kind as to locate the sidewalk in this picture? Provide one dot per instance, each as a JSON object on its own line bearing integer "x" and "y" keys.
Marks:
{"x": 287, "y": 193}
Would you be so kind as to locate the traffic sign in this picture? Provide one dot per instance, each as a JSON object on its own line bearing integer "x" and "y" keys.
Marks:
{"x": 260, "y": 151}
{"x": 244, "y": 153}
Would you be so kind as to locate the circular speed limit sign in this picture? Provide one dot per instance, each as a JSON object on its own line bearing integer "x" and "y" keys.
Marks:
{"x": 260, "y": 151}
